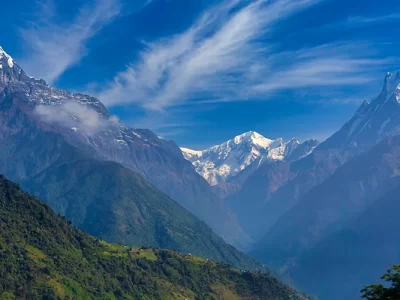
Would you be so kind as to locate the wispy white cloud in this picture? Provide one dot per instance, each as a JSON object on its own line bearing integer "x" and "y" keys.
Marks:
{"x": 335, "y": 64}
{"x": 219, "y": 57}
{"x": 355, "y": 22}
{"x": 365, "y": 20}
{"x": 54, "y": 45}
{"x": 75, "y": 115}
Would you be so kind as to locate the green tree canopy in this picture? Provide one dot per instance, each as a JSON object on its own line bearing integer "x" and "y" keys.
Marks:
{"x": 389, "y": 291}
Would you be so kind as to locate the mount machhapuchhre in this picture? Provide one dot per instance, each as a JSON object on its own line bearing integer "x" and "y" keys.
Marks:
{"x": 336, "y": 222}
{"x": 323, "y": 214}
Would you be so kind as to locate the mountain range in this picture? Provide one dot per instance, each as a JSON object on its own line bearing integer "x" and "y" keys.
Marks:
{"x": 121, "y": 184}
{"x": 229, "y": 164}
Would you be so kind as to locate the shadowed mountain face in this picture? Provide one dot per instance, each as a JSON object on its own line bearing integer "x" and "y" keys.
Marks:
{"x": 332, "y": 204}
{"x": 338, "y": 231}
{"x": 273, "y": 190}
{"x": 43, "y": 257}
{"x": 52, "y": 141}
{"x": 354, "y": 256}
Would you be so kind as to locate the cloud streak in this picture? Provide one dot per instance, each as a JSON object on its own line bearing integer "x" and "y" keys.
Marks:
{"x": 215, "y": 59}
{"x": 76, "y": 117}
{"x": 360, "y": 21}
{"x": 335, "y": 64}
{"x": 55, "y": 46}
{"x": 226, "y": 56}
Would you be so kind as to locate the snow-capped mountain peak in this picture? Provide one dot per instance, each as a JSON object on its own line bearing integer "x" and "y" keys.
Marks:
{"x": 222, "y": 162}
{"x": 254, "y": 138}
{"x": 3, "y": 54}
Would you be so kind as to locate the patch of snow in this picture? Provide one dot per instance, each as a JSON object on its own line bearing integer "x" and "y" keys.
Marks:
{"x": 191, "y": 155}
{"x": 121, "y": 141}
{"x": 135, "y": 134}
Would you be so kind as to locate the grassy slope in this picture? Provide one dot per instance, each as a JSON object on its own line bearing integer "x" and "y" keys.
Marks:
{"x": 43, "y": 257}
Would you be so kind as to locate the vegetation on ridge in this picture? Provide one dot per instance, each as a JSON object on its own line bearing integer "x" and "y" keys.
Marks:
{"x": 381, "y": 292}
{"x": 43, "y": 257}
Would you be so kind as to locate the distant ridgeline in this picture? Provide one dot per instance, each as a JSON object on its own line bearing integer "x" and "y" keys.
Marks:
{"x": 43, "y": 257}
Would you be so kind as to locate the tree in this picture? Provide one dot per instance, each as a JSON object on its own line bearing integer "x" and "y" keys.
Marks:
{"x": 390, "y": 291}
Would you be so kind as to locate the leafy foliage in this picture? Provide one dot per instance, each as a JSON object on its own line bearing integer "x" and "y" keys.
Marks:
{"x": 389, "y": 292}
{"x": 42, "y": 256}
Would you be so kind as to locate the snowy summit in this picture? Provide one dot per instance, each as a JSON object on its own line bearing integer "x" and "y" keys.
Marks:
{"x": 9, "y": 59}
{"x": 222, "y": 162}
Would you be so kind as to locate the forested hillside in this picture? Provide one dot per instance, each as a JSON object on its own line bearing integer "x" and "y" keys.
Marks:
{"x": 43, "y": 257}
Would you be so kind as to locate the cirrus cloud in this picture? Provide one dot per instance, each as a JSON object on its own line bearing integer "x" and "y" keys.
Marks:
{"x": 55, "y": 46}
{"x": 215, "y": 58}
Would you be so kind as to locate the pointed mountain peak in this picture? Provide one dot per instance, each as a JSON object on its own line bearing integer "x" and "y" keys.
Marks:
{"x": 391, "y": 82}
{"x": 390, "y": 91}
{"x": 254, "y": 138}
{"x": 5, "y": 56}
{"x": 2, "y": 51}
{"x": 293, "y": 141}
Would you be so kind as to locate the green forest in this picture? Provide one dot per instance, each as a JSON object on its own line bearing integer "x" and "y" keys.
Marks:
{"x": 42, "y": 256}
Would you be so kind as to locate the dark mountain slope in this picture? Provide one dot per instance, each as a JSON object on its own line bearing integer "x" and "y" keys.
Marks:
{"x": 356, "y": 255}
{"x": 331, "y": 205}
{"x": 125, "y": 208}
{"x": 43, "y": 257}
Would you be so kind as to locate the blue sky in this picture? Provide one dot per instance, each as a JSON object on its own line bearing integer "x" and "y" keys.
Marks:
{"x": 200, "y": 72}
